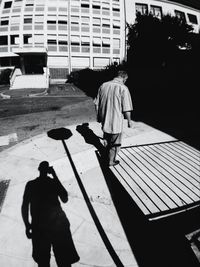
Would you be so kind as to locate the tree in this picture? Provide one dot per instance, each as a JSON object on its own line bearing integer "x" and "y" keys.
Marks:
{"x": 157, "y": 42}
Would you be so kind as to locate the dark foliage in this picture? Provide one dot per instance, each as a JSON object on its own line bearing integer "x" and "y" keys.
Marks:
{"x": 90, "y": 80}
{"x": 163, "y": 59}
{"x": 155, "y": 42}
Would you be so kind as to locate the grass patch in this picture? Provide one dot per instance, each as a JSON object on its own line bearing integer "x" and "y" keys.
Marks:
{"x": 20, "y": 106}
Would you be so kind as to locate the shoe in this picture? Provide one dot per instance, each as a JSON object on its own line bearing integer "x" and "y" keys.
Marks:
{"x": 114, "y": 163}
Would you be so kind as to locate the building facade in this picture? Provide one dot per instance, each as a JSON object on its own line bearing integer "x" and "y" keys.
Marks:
{"x": 64, "y": 34}
{"x": 188, "y": 10}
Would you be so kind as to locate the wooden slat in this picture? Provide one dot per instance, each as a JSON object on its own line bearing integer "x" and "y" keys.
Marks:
{"x": 160, "y": 177}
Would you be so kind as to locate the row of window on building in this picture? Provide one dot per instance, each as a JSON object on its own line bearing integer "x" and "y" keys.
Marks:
{"x": 76, "y": 6}
{"x": 75, "y": 40}
{"x": 61, "y": 20}
{"x": 157, "y": 11}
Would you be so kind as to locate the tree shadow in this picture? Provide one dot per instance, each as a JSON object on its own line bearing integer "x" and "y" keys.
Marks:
{"x": 167, "y": 100}
{"x": 154, "y": 243}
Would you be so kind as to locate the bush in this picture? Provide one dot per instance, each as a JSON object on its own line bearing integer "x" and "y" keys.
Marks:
{"x": 90, "y": 80}
{"x": 5, "y": 76}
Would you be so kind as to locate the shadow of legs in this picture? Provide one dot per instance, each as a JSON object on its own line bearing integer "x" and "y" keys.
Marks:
{"x": 91, "y": 138}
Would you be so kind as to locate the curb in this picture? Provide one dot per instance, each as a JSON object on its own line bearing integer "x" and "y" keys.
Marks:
{"x": 4, "y": 96}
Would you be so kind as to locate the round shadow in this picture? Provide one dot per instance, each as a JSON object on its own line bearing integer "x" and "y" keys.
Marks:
{"x": 59, "y": 134}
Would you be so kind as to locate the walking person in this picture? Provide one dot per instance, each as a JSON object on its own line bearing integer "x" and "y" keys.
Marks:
{"x": 45, "y": 221}
{"x": 113, "y": 103}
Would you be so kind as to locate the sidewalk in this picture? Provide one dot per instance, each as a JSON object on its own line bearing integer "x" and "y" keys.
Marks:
{"x": 19, "y": 165}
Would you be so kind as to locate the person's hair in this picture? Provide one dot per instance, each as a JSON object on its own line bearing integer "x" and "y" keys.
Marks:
{"x": 122, "y": 73}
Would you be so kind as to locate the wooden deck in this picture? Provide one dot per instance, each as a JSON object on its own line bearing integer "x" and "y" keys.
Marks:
{"x": 161, "y": 178}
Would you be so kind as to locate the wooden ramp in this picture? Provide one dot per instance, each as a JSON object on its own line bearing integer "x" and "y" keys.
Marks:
{"x": 161, "y": 178}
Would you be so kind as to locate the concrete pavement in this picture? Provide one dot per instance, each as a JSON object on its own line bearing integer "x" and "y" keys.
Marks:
{"x": 19, "y": 165}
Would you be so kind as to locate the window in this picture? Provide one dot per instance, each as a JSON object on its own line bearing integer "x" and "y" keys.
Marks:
{"x": 85, "y": 19}
{"x": 106, "y": 42}
{"x": 106, "y": 23}
{"x": 95, "y": 7}
{"x": 96, "y": 41}
{"x": 14, "y": 39}
{"x": 75, "y": 19}
{"x": 116, "y": 24}
{"x": 39, "y": 39}
{"x": 62, "y": 40}
{"x": 115, "y": 9}
{"x": 52, "y": 41}
{"x": 156, "y": 11}
{"x": 192, "y": 18}
{"x": 3, "y": 40}
{"x": 141, "y": 8}
{"x": 85, "y": 5}
{"x": 27, "y": 39}
{"x": 39, "y": 19}
{"x": 7, "y": 4}
{"x": 75, "y": 40}
{"x": 51, "y": 22}
{"x": 96, "y": 22}
{"x": 85, "y": 41}
{"x": 180, "y": 15}
{"x": 62, "y": 22}
{"x": 27, "y": 20}
{"x": 116, "y": 43}
{"x": 4, "y": 22}
{"x": 15, "y": 20}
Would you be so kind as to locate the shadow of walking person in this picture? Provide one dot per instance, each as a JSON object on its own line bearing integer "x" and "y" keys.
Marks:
{"x": 91, "y": 138}
{"x": 48, "y": 226}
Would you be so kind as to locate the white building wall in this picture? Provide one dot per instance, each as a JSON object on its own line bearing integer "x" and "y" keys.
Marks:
{"x": 53, "y": 24}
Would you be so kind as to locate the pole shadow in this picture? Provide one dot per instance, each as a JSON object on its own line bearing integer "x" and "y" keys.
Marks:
{"x": 63, "y": 134}
{"x": 154, "y": 243}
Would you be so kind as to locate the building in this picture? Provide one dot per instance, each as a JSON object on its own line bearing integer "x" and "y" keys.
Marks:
{"x": 188, "y": 10}
{"x": 62, "y": 35}
{"x": 51, "y": 38}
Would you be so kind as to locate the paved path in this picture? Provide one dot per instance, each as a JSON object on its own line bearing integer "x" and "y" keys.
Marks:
{"x": 19, "y": 164}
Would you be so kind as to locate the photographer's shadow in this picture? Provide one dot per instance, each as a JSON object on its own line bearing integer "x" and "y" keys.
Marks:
{"x": 49, "y": 226}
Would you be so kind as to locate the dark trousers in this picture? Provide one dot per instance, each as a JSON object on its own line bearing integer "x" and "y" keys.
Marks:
{"x": 113, "y": 144}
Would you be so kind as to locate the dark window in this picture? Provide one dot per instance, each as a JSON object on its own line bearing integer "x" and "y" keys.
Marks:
{"x": 52, "y": 41}
{"x": 4, "y": 22}
{"x": 180, "y": 15}
{"x": 51, "y": 22}
{"x": 85, "y": 5}
{"x": 156, "y": 11}
{"x": 3, "y": 40}
{"x": 14, "y": 39}
{"x": 192, "y": 18}
{"x": 62, "y": 42}
{"x": 62, "y": 22}
{"x": 28, "y": 20}
{"x": 95, "y": 7}
{"x": 7, "y": 4}
{"x": 141, "y": 8}
{"x": 115, "y": 9}
{"x": 28, "y": 39}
